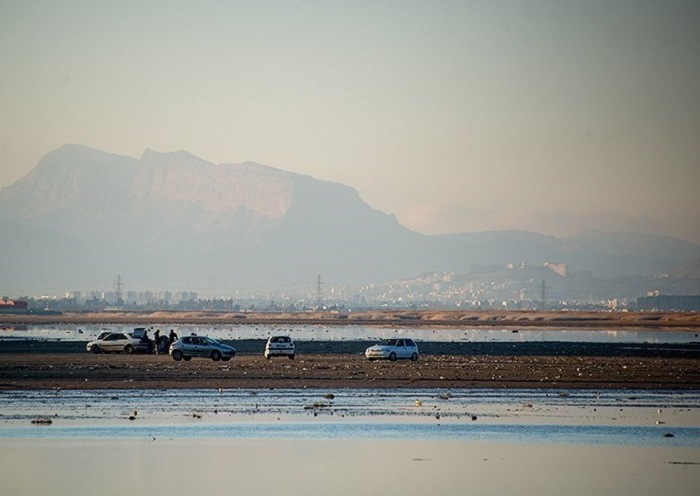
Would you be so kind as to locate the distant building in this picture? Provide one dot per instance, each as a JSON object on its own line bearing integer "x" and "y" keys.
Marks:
{"x": 679, "y": 303}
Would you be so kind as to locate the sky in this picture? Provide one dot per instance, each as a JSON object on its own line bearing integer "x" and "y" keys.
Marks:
{"x": 455, "y": 116}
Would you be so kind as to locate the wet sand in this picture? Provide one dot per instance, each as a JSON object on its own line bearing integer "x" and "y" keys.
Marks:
{"x": 121, "y": 371}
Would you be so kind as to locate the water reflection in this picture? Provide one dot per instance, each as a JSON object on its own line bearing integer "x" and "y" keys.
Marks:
{"x": 433, "y": 406}
{"x": 361, "y": 333}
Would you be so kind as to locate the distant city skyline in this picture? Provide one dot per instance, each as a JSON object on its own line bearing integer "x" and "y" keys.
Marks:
{"x": 454, "y": 116}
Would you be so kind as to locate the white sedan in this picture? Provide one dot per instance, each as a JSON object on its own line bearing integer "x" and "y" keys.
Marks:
{"x": 393, "y": 349}
{"x": 118, "y": 341}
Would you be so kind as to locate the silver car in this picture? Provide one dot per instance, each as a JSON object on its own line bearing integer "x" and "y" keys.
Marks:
{"x": 118, "y": 341}
{"x": 200, "y": 346}
{"x": 393, "y": 349}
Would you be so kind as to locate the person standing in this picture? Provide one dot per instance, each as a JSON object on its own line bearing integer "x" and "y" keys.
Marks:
{"x": 172, "y": 337}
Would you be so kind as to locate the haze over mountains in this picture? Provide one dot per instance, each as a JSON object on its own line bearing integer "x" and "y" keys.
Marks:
{"x": 175, "y": 221}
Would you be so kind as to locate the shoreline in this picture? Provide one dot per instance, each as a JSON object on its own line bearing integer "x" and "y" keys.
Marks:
{"x": 47, "y": 364}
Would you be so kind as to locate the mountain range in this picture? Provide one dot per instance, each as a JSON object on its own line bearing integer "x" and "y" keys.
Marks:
{"x": 175, "y": 221}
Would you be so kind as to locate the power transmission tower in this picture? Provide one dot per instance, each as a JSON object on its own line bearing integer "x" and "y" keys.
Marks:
{"x": 544, "y": 295}
{"x": 118, "y": 284}
{"x": 319, "y": 285}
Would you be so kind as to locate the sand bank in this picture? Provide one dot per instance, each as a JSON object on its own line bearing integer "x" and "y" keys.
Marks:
{"x": 689, "y": 321}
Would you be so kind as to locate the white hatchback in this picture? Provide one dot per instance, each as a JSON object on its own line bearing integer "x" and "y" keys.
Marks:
{"x": 280, "y": 346}
{"x": 393, "y": 349}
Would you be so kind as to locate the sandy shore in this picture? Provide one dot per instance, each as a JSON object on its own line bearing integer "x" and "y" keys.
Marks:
{"x": 120, "y": 371}
{"x": 161, "y": 463}
{"x": 676, "y": 321}
{"x": 45, "y": 365}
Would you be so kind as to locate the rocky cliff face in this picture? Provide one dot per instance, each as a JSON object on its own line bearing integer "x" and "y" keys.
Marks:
{"x": 182, "y": 178}
{"x": 176, "y": 217}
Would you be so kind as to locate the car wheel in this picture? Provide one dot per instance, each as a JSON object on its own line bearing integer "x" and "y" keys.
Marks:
{"x": 177, "y": 355}
{"x": 96, "y": 350}
{"x": 392, "y": 356}
{"x": 414, "y": 357}
{"x": 216, "y": 355}
{"x": 129, "y": 349}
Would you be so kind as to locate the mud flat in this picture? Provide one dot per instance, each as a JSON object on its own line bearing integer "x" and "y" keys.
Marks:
{"x": 120, "y": 371}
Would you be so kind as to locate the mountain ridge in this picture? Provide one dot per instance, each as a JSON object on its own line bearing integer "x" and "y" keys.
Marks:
{"x": 173, "y": 219}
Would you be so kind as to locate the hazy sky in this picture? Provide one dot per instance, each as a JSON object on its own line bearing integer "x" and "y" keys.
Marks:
{"x": 553, "y": 116}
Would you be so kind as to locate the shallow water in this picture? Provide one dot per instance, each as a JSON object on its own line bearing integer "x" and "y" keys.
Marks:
{"x": 361, "y": 333}
{"x": 539, "y": 434}
{"x": 523, "y": 416}
{"x": 341, "y": 467}
{"x": 349, "y": 442}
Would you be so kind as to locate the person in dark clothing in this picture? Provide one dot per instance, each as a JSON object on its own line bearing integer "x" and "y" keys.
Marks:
{"x": 156, "y": 341}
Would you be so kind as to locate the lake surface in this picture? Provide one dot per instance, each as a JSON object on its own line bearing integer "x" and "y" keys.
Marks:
{"x": 349, "y": 442}
{"x": 359, "y": 333}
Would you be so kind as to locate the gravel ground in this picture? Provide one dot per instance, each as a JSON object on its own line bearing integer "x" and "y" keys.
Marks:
{"x": 41, "y": 365}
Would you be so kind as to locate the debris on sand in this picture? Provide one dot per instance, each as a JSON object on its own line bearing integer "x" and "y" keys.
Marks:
{"x": 42, "y": 421}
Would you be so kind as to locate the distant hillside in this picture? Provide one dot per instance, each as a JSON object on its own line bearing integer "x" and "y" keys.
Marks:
{"x": 176, "y": 221}
{"x": 689, "y": 270}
